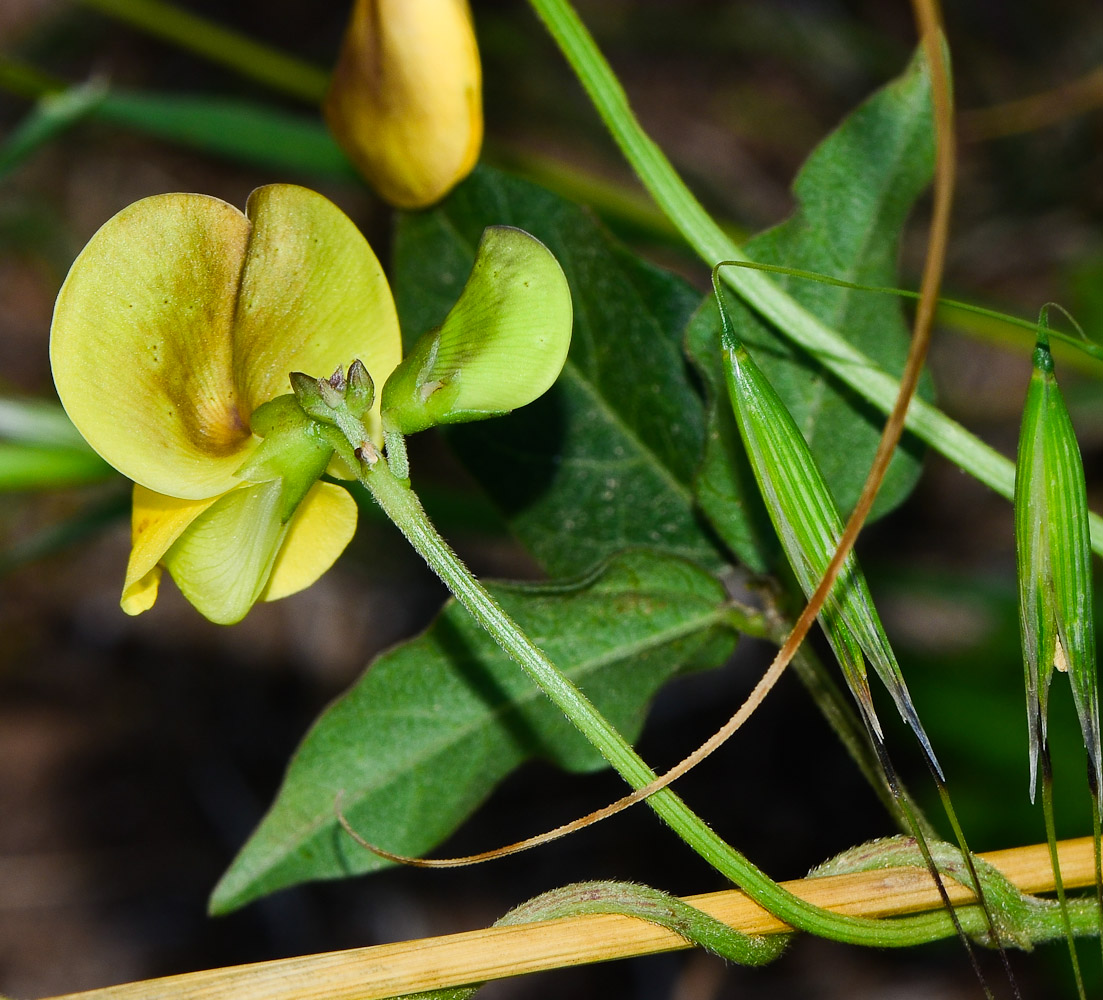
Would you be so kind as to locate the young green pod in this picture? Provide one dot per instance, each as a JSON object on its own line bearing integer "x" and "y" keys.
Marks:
{"x": 807, "y": 522}
{"x": 502, "y": 345}
{"x": 1054, "y": 562}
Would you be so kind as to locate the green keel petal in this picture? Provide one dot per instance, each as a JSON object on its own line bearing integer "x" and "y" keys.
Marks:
{"x": 502, "y": 345}
{"x": 318, "y": 533}
{"x": 222, "y": 562}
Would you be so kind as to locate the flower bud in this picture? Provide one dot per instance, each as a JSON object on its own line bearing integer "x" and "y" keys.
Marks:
{"x": 405, "y": 101}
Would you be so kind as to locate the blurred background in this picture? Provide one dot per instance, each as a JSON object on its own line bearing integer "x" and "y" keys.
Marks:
{"x": 137, "y": 754}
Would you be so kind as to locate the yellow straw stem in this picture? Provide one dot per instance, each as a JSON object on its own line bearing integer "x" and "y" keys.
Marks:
{"x": 499, "y": 952}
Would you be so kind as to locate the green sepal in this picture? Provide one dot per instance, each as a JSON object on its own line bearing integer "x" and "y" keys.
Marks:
{"x": 295, "y": 449}
{"x": 502, "y": 345}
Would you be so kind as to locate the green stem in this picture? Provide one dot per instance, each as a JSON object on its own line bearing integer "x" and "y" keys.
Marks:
{"x": 1058, "y": 882}
{"x": 402, "y": 506}
{"x": 239, "y": 52}
{"x": 713, "y": 245}
{"x": 844, "y": 721}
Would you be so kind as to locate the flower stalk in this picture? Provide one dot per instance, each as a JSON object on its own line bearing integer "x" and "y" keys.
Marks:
{"x": 402, "y": 506}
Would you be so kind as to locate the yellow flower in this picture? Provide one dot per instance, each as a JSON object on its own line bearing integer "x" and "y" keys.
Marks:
{"x": 177, "y": 322}
{"x": 405, "y": 101}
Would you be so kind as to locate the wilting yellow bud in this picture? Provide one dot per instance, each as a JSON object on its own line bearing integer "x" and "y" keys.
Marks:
{"x": 405, "y": 101}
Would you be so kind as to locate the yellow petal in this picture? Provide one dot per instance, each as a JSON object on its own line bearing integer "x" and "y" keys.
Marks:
{"x": 405, "y": 102}
{"x": 141, "y": 347}
{"x": 181, "y": 316}
{"x": 321, "y": 528}
{"x": 141, "y": 594}
{"x": 156, "y": 522}
{"x": 313, "y": 296}
{"x": 222, "y": 561}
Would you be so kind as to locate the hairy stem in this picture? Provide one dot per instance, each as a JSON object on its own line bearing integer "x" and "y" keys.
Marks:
{"x": 402, "y": 506}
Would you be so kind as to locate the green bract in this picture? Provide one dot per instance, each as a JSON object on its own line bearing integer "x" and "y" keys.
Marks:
{"x": 808, "y": 524}
{"x": 1054, "y": 562}
{"x": 502, "y": 345}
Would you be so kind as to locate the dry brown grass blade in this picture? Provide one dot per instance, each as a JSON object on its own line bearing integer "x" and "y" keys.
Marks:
{"x": 496, "y": 953}
{"x": 1069, "y": 100}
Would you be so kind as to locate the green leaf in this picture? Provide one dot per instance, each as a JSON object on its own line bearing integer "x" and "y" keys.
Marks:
{"x": 606, "y": 458}
{"x": 38, "y": 422}
{"x": 435, "y": 723}
{"x": 53, "y": 115}
{"x": 43, "y": 467}
{"x": 239, "y": 131}
{"x": 41, "y": 449}
{"x": 853, "y": 196}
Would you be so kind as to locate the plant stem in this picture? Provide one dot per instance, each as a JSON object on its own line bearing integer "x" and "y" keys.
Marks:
{"x": 499, "y": 952}
{"x": 239, "y": 52}
{"x": 846, "y": 725}
{"x": 758, "y": 291}
{"x": 402, "y": 506}
{"x": 1058, "y": 882}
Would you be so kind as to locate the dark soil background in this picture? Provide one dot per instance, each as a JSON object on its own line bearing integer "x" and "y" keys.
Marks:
{"x": 137, "y": 754}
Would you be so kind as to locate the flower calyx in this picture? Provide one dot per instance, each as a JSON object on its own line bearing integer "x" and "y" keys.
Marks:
{"x": 340, "y": 402}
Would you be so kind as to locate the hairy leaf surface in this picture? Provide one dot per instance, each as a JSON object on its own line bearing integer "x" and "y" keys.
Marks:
{"x": 435, "y": 723}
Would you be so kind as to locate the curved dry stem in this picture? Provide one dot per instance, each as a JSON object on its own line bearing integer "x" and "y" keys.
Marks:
{"x": 719, "y": 738}
{"x": 1026, "y": 114}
